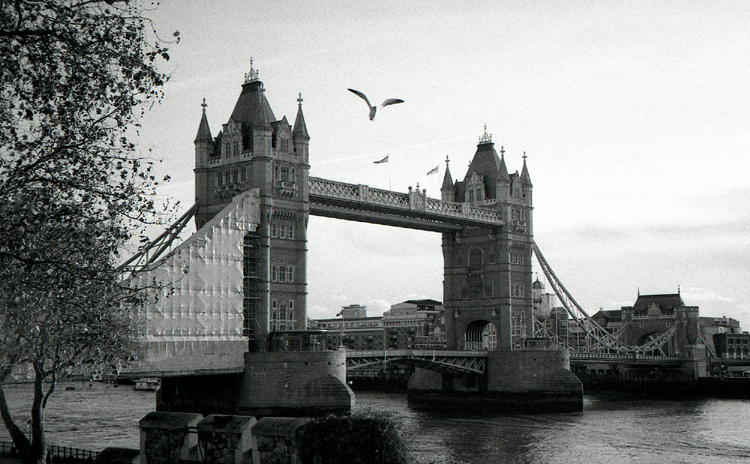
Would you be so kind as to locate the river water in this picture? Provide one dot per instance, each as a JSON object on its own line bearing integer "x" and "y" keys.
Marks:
{"x": 611, "y": 429}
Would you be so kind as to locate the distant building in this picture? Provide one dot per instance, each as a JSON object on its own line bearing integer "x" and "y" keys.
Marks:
{"x": 415, "y": 324}
{"x": 713, "y": 326}
{"x": 542, "y": 303}
{"x": 354, "y": 311}
{"x": 353, "y": 329}
{"x": 653, "y": 315}
{"x": 418, "y": 324}
{"x": 732, "y": 345}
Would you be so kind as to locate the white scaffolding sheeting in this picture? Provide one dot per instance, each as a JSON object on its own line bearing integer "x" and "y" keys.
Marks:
{"x": 193, "y": 314}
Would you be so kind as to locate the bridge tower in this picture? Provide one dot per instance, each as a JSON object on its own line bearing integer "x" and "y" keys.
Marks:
{"x": 254, "y": 150}
{"x": 487, "y": 287}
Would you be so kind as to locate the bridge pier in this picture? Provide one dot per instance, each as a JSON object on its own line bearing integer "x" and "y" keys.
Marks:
{"x": 518, "y": 382}
{"x": 273, "y": 383}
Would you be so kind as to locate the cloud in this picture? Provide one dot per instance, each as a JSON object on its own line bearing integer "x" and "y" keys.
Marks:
{"x": 702, "y": 294}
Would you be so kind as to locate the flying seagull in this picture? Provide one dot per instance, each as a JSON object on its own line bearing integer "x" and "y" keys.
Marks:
{"x": 374, "y": 109}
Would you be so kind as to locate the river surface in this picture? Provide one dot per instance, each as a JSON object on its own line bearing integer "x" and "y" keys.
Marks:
{"x": 611, "y": 429}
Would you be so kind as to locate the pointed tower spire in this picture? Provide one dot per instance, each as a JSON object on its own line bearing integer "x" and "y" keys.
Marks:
{"x": 525, "y": 178}
{"x": 204, "y": 132}
{"x": 299, "y": 132}
{"x": 447, "y": 191}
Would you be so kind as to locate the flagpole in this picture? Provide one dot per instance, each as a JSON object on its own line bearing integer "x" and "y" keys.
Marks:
{"x": 389, "y": 174}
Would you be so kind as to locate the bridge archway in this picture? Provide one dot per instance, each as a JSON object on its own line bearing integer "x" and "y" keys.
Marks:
{"x": 480, "y": 335}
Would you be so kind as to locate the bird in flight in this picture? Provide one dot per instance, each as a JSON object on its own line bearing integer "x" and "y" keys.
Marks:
{"x": 374, "y": 109}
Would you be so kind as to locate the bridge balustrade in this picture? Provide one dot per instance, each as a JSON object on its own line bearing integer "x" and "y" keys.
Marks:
{"x": 411, "y": 201}
{"x": 623, "y": 357}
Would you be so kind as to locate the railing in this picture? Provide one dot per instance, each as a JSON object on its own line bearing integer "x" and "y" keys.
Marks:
{"x": 55, "y": 454}
{"x": 624, "y": 357}
{"x": 412, "y": 201}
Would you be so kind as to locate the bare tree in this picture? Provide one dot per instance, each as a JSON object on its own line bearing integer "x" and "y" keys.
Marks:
{"x": 75, "y": 75}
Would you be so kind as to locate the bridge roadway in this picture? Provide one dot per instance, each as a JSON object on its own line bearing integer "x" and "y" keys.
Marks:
{"x": 356, "y": 202}
{"x": 475, "y": 362}
{"x": 447, "y": 361}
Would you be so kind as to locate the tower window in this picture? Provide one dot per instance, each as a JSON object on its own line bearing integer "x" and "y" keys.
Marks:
{"x": 476, "y": 286}
{"x": 226, "y": 149}
{"x": 236, "y": 151}
{"x": 475, "y": 257}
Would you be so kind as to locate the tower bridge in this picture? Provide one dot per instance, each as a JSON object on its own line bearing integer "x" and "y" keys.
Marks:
{"x": 242, "y": 277}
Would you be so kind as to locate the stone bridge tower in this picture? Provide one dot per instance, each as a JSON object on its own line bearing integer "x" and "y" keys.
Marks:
{"x": 487, "y": 288}
{"x": 254, "y": 150}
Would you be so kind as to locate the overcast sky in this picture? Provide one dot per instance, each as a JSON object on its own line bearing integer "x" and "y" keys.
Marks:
{"x": 635, "y": 117}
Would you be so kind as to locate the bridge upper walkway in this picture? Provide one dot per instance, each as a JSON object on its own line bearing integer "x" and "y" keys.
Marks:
{"x": 357, "y": 202}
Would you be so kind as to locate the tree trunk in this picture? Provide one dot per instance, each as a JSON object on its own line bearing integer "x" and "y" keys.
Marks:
{"x": 38, "y": 454}
{"x": 19, "y": 438}
{"x": 33, "y": 449}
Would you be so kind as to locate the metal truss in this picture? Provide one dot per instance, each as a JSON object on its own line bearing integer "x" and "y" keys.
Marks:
{"x": 456, "y": 362}
{"x": 150, "y": 252}
{"x": 602, "y": 339}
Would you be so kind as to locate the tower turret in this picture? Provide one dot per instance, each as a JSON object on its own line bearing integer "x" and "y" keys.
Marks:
{"x": 204, "y": 147}
{"x": 503, "y": 179}
{"x": 300, "y": 137}
{"x": 526, "y": 184}
{"x": 447, "y": 191}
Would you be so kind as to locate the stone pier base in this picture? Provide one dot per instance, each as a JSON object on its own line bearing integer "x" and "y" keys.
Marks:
{"x": 276, "y": 383}
{"x": 515, "y": 382}
{"x": 295, "y": 384}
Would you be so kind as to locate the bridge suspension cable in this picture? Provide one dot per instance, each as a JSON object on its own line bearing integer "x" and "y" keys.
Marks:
{"x": 150, "y": 252}
{"x": 602, "y": 339}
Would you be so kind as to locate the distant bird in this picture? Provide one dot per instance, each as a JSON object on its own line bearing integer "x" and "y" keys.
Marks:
{"x": 374, "y": 109}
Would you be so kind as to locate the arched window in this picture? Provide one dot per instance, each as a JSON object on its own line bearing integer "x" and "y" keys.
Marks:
{"x": 475, "y": 257}
{"x": 236, "y": 148}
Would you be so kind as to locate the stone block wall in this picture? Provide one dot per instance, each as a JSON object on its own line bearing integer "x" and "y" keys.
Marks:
{"x": 180, "y": 438}
{"x": 226, "y": 439}
{"x": 525, "y": 371}
{"x": 295, "y": 384}
{"x": 275, "y": 440}
{"x": 166, "y": 438}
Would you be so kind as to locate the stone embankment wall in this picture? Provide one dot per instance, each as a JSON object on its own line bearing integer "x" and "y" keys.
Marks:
{"x": 178, "y": 438}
